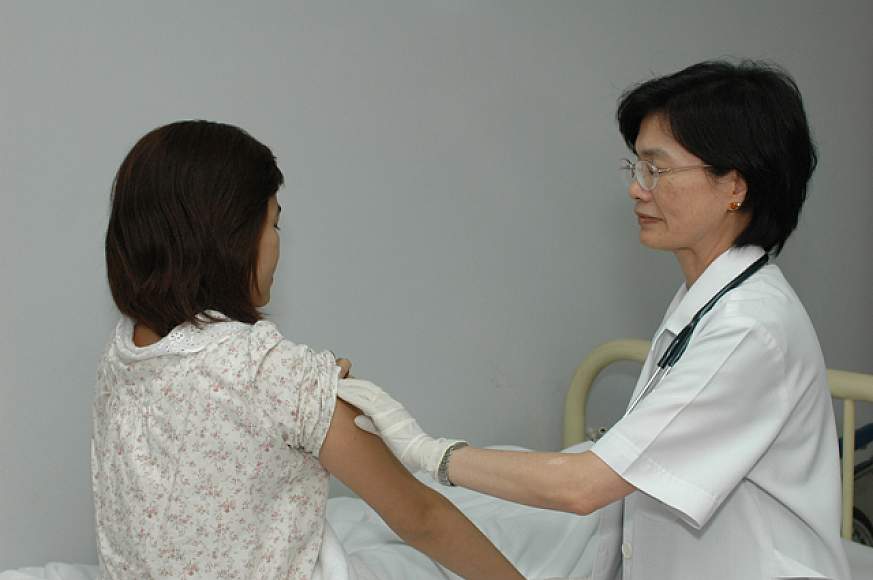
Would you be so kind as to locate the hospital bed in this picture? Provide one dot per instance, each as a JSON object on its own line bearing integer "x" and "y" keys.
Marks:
{"x": 541, "y": 543}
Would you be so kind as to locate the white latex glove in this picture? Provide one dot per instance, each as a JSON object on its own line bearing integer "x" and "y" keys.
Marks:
{"x": 385, "y": 417}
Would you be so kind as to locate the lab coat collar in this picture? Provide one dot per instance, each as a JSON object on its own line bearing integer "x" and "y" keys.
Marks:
{"x": 723, "y": 269}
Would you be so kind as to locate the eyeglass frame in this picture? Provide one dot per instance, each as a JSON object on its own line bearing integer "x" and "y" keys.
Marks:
{"x": 656, "y": 171}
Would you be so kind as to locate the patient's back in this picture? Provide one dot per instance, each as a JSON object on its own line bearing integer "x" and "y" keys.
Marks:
{"x": 204, "y": 453}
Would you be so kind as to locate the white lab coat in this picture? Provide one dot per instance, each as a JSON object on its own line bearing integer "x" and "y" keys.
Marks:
{"x": 734, "y": 453}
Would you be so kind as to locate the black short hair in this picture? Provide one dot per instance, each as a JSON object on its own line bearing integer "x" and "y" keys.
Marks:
{"x": 188, "y": 207}
{"x": 747, "y": 117}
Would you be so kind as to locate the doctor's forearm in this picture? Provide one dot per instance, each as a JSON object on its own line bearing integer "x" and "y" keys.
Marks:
{"x": 570, "y": 482}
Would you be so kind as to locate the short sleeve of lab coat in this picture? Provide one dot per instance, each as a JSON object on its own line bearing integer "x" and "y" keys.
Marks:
{"x": 702, "y": 429}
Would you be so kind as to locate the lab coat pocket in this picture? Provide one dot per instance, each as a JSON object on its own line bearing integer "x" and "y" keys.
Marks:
{"x": 787, "y": 567}
{"x": 648, "y": 555}
{"x": 665, "y": 546}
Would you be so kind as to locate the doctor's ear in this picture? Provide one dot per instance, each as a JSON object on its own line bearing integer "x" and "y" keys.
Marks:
{"x": 735, "y": 188}
{"x": 740, "y": 186}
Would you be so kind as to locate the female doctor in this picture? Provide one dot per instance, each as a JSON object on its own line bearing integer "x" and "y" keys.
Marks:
{"x": 725, "y": 465}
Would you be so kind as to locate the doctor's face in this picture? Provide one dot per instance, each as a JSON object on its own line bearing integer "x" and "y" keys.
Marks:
{"x": 688, "y": 210}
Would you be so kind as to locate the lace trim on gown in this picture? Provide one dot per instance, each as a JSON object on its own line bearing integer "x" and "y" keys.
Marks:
{"x": 186, "y": 338}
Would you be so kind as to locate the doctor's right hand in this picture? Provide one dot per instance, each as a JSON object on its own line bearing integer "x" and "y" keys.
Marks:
{"x": 387, "y": 418}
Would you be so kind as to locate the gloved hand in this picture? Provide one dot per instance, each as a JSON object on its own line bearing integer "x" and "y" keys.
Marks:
{"x": 385, "y": 417}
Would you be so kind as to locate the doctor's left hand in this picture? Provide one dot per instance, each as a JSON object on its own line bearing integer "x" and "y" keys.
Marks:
{"x": 387, "y": 418}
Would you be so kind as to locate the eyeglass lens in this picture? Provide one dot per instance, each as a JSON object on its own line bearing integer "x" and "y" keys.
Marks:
{"x": 642, "y": 172}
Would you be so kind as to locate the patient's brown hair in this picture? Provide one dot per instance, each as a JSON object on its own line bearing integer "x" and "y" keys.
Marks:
{"x": 188, "y": 205}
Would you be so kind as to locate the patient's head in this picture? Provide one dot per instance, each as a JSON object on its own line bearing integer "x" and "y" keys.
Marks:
{"x": 193, "y": 225}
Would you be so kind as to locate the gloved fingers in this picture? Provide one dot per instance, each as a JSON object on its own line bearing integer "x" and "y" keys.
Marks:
{"x": 361, "y": 397}
{"x": 367, "y": 397}
{"x": 381, "y": 418}
{"x": 391, "y": 413}
{"x": 361, "y": 384}
{"x": 386, "y": 407}
{"x": 360, "y": 388}
{"x": 366, "y": 424}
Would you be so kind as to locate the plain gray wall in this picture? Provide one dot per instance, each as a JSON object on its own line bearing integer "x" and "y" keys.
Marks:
{"x": 454, "y": 220}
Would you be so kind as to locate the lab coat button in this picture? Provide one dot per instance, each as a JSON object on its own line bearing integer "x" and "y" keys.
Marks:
{"x": 626, "y": 550}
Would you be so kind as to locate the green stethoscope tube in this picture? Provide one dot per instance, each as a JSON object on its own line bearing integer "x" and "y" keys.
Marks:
{"x": 678, "y": 345}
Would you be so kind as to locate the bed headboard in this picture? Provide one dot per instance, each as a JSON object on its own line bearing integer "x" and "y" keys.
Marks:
{"x": 848, "y": 386}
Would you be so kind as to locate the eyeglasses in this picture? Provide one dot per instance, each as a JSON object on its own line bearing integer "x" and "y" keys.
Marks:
{"x": 647, "y": 173}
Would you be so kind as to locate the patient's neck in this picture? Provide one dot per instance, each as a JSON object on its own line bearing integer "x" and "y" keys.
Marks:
{"x": 144, "y": 336}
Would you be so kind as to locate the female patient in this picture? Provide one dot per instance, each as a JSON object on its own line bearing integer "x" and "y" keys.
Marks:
{"x": 214, "y": 435}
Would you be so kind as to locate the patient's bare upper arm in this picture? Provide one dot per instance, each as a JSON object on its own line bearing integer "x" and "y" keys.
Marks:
{"x": 363, "y": 462}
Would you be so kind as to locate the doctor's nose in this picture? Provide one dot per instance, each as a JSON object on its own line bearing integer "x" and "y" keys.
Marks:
{"x": 637, "y": 193}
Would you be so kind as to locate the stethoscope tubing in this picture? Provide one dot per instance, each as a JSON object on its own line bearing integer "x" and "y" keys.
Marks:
{"x": 678, "y": 345}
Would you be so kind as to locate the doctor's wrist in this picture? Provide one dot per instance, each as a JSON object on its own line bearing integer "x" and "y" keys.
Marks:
{"x": 442, "y": 474}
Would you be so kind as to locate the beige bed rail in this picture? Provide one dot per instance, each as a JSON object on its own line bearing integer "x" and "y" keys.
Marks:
{"x": 848, "y": 386}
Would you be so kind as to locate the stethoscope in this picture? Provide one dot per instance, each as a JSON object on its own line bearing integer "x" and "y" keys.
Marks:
{"x": 677, "y": 346}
